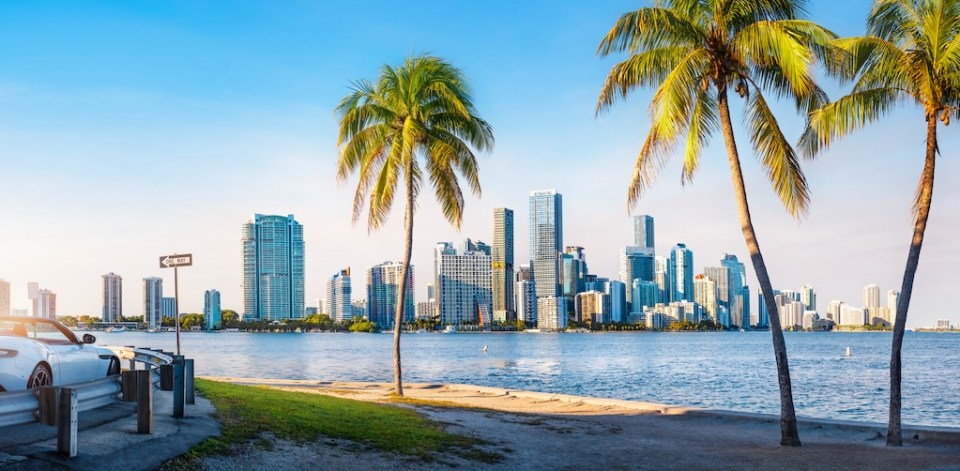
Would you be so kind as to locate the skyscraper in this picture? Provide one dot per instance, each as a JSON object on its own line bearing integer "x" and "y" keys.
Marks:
{"x": 546, "y": 241}
{"x": 526, "y": 294}
{"x": 680, "y": 268}
{"x": 33, "y": 291}
{"x": 464, "y": 288}
{"x": 338, "y": 296}
{"x": 4, "y": 297}
{"x": 644, "y": 294}
{"x": 808, "y": 296}
{"x": 763, "y": 315}
{"x": 893, "y": 298}
{"x": 705, "y": 293}
{"x": 502, "y": 259}
{"x": 168, "y": 307}
{"x": 643, "y": 233}
{"x": 661, "y": 277}
{"x": 273, "y": 268}
{"x": 574, "y": 269}
{"x": 383, "y": 292}
{"x": 211, "y": 309}
{"x": 112, "y": 298}
{"x": 739, "y": 293}
{"x": 871, "y": 296}
{"x": 636, "y": 263}
{"x": 152, "y": 301}
{"x": 45, "y": 306}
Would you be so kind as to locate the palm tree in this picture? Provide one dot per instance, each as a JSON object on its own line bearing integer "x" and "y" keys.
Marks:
{"x": 911, "y": 54}
{"x": 693, "y": 52}
{"x": 417, "y": 119}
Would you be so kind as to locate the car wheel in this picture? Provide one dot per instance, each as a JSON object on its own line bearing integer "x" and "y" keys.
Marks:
{"x": 114, "y": 368}
{"x": 40, "y": 377}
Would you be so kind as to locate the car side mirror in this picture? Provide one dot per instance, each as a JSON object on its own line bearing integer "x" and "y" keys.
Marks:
{"x": 87, "y": 338}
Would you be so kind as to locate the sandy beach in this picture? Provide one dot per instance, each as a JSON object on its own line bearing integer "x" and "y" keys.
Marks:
{"x": 547, "y": 431}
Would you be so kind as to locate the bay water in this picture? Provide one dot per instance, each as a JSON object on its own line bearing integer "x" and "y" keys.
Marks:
{"x": 722, "y": 370}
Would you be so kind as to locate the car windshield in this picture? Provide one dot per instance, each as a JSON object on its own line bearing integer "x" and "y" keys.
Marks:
{"x": 40, "y": 331}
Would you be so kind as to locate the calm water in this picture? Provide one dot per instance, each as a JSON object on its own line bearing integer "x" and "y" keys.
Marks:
{"x": 732, "y": 370}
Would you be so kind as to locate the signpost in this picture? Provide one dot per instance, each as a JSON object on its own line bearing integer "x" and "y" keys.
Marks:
{"x": 176, "y": 261}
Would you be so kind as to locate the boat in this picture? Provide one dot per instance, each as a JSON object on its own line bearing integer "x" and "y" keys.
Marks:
{"x": 116, "y": 329}
{"x": 449, "y": 329}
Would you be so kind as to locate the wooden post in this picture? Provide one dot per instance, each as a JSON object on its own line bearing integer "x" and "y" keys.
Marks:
{"x": 178, "y": 387}
{"x": 144, "y": 401}
{"x": 166, "y": 377}
{"x": 67, "y": 422}
{"x": 188, "y": 381}
{"x": 128, "y": 385}
{"x": 48, "y": 397}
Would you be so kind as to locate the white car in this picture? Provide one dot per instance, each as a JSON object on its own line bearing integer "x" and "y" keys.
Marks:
{"x": 41, "y": 352}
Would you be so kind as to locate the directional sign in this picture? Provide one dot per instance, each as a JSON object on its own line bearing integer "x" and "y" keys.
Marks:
{"x": 180, "y": 260}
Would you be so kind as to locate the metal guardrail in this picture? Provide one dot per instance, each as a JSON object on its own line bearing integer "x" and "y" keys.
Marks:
{"x": 59, "y": 405}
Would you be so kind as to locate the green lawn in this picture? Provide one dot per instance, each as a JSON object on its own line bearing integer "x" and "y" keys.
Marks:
{"x": 247, "y": 411}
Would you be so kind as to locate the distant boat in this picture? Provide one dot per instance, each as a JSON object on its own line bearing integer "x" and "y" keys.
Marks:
{"x": 116, "y": 329}
{"x": 849, "y": 353}
{"x": 153, "y": 330}
{"x": 449, "y": 329}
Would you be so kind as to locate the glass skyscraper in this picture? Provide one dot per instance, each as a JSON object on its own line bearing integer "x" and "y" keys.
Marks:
{"x": 383, "y": 291}
{"x": 546, "y": 241}
{"x": 643, "y": 232}
{"x": 112, "y": 298}
{"x": 273, "y": 268}
{"x": 680, "y": 269}
{"x": 152, "y": 301}
{"x": 211, "y": 308}
{"x": 739, "y": 293}
{"x": 502, "y": 260}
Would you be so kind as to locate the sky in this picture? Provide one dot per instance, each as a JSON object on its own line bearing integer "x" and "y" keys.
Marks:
{"x": 131, "y": 130}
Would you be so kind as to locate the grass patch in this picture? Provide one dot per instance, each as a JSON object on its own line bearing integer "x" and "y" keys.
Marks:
{"x": 247, "y": 412}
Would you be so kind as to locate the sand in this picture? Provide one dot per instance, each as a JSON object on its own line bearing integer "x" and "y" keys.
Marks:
{"x": 559, "y": 432}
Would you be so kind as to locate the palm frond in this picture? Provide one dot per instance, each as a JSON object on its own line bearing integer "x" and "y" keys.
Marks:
{"x": 649, "y": 28}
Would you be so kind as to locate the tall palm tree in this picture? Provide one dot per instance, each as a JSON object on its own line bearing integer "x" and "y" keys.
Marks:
{"x": 694, "y": 52}
{"x": 417, "y": 119}
{"x": 911, "y": 54}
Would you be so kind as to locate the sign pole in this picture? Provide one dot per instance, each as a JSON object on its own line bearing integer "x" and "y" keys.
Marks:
{"x": 176, "y": 305}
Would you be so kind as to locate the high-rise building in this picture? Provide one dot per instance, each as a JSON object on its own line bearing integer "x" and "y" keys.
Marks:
{"x": 893, "y": 298}
{"x": 552, "y": 313}
{"x": 643, "y": 233}
{"x": 45, "y": 306}
{"x": 871, "y": 296}
{"x": 383, "y": 292}
{"x": 359, "y": 309}
{"x": 739, "y": 292}
{"x": 808, "y": 296}
{"x": 273, "y": 268}
{"x": 464, "y": 286}
{"x": 526, "y": 294}
{"x": 636, "y": 263}
{"x": 4, "y": 297}
{"x": 211, "y": 309}
{"x": 168, "y": 307}
{"x": 661, "y": 277}
{"x": 546, "y": 241}
{"x": 152, "y": 301}
{"x": 617, "y": 291}
{"x": 763, "y": 315}
{"x": 338, "y": 296}
{"x": 852, "y": 316}
{"x": 502, "y": 259}
{"x": 112, "y": 298}
{"x": 644, "y": 295}
{"x": 592, "y": 306}
{"x": 33, "y": 291}
{"x": 705, "y": 293}
{"x": 680, "y": 269}
{"x": 574, "y": 271}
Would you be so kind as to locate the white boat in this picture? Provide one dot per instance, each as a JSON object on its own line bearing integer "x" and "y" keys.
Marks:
{"x": 116, "y": 329}
{"x": 449, "y": 329}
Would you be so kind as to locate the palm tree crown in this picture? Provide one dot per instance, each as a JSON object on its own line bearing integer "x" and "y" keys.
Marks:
{"x": 682, "y": 47}
{"x": 423, "y": 107}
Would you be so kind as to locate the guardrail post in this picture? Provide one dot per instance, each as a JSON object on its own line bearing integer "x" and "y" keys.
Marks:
{"x": 128, "y": 385}
{"x": 132, "y": 364}
{"x": 178, "y": 386}
{"x": 166, "y": 377}
{"x": 144, "y": 401}
{"x": 67, "y": 422}
{"x": 188, "y": 380}
{"x": 47, "y": 397}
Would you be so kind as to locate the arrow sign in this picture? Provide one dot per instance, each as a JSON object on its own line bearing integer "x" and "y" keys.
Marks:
{"x": 180, "y": 260}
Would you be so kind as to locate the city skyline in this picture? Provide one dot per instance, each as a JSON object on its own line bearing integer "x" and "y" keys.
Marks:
{"x": 262, "y": 118}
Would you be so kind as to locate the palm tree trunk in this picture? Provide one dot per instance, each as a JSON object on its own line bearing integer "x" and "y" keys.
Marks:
{"x": 789, "y": 436}
{"x": 924, "y": 199}
{"x": 402, "y": 286}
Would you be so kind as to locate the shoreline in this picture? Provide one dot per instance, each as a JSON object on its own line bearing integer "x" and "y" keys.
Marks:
{"x": 494, "y": 398}
{"x": 532, "y": 430}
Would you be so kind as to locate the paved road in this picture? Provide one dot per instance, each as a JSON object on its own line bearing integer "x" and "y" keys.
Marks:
{"x": 108, "y": 439}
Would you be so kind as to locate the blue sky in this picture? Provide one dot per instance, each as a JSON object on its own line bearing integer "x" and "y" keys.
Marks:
{"x": 129, "y": 130}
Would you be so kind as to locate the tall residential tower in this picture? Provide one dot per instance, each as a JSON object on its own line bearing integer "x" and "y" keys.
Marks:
{"x": 273, "y": 268}
{"x": 502, "y": 260}
{"x": 546, "y": 241}
{"x": 112, "y": 298}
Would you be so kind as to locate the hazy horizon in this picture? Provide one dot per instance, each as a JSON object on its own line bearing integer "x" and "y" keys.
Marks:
{"x": 134, "y": 130}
